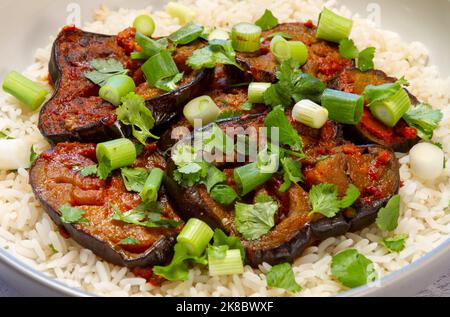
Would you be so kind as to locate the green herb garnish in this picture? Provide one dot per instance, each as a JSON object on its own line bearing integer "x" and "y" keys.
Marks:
{"x": 353, "y": 269}
{"x": 282, "y": 276}
{"x": 104, "y": 70}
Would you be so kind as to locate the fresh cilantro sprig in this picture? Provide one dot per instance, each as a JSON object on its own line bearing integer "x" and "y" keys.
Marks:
{"x": 282, "y": 276}
{"x": 72, "y": 215}
{"x": 353, "y": 269}
{"x": 292, "y": 173}
{"x": 396, "y": 243}
{"x": 348, "y": 50}
{"x": 288, "y": 136}
{"x": 104, "y": 70}
{"x": 324, "y": 199}
{"x": 425, "y": 119}
{"x": 217, "y": 52}
{"x": 134, "y": 178}
{"x": 267, "y": 21}
{"x": 387, "y": 219}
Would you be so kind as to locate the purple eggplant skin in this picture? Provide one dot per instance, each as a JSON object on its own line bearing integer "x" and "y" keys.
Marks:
{"x": 160, "y": 252}
{"x": 164, "y": 107}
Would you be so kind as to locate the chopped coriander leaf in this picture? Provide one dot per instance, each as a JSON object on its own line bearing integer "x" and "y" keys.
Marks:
{"x": 247, "y": 106}
{"x": 191, "y": 174}
{"x": 282, "y": 276}
{"x": 170, "y": 83}
{"x": 129, "y": 241}
{"x": 89, "y": 170}
{"x": 187, "y": 34}
{"x": 292, "y": 171}
{"x": 139, "y": 149}
{"x": 348, "y": 49}
{"x": 293, "y": 85}
{"x": 146, "y": 215}
{"x": 282, "y": 34}
{"x": 263, "y": 198}
{"x": 214, "y": 177}
{"x": 353, "y": 269}
{"x": 4, "y": 135}
{"x": 254, "y": 221}
{"x": 72, "y": 215}
{"x": 229, "y": 114}
{"x": 387, "y": 219}
{"x": 267, "y": 21}
{"x": 324, "y": 200}
{"x": 217, "y": 52}
{"x": 365, "y": 59}
{"x": 178, "y": 269}
{"x": 33, "y": 155}
{"x": 233, "y": 243}
{"x": 104, "y": 70}
{"x": 134, "y": 112}
{"x": 351, "y": 196}
{"x": 287, "y": 134}
{"x": 395, "y": 244}
{"x": 134, "y": 178}
{"x": 424, "y": 118}
{"x": 224, "y": 194}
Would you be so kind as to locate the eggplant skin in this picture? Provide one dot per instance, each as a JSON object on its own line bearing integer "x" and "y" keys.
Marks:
{"x": 160, "y": 251}
{"x": 164, "y": 107}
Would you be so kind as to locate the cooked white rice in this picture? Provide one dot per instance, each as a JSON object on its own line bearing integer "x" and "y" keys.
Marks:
{"x": 28, "y": 233}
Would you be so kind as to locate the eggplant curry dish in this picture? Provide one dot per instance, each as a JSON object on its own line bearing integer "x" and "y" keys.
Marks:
{"x": 224, "y": 150}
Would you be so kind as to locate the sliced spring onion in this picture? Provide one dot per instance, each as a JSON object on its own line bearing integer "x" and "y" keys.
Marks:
{"x": 116, "y": 153}
{"x": 249, "y": 177}
{"x": 158, "y": 67}
{"x": 195, "y": 236}
{"x": 256, "y": 92}
{"x": 151, "y": 188}
{"x": 116, "y": 88}
{"x": 391, "y": 110}
{"x": 230, "y": 265}
{"x": 181, "y": 12}
{"x": 187, "y": 34}
{"x": 219, "y": 34}
{"x": 284, "y": 50}
{"x": 144, "y": 24}
{"x": 343, "y": 107}
{"x": 203, "y": 109}
{"x": 310, "y": 114}
{"x": 333, "y": 27}
{"x": 25, "y": 90}
{"x": 246, "y": 37}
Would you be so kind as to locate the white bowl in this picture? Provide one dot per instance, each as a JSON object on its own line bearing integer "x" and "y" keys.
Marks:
{"x": 30, "y": 23}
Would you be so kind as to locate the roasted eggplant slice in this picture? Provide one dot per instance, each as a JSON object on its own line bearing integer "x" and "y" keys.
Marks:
{"x": 57, "y": 181}
{"x": 374, "y": 170}
{"x": 324, "y": 60}
{"x": 76, "y": 113}
{"x": 401, "y": 138}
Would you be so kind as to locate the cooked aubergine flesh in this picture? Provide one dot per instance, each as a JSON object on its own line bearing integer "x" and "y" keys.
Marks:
{"x": 373, "y": 170}
{"x": 56, "y": 180}
{"x": 76, "y": 113}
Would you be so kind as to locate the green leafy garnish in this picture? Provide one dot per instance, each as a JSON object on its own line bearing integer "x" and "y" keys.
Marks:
{"x": 217, "y": 52}
{"x": 214, "y": 177}
{"x": 224, "y": 194}
{"x": 186, "y": 34}
{"x": 247, "y": 106}
{"x": 170, "y": 83}
{"x": 33, "y": 155}
{"x": 324, "y": 200}
{"x": 351, "y": 196}
{"x": 395, "y": 244}
{"x": 134, "y": 178}
{"x": 282, "y": 34}
{"x": 282, "y": 276}
{"x": 89, "y": 170}
{"x": 104, "y": 70}
{"x": 233, "y": 243}
{"x": 133, "y": 112}
{"x": 53, "y": 249}
{"x": 292, "y": 171}
{"x": 72, "y": 215}
{"x": 293, "y": 85}
{"x": 348, "y": 49}
{"x": 387, "y": 219}
{"x": 267, "y": 21}
{"x": 287, "y": 134}
{"x": 4, "y": 135}
{"x": 178, "y": 269}
{"x": 191, "y": 174}
{"x": 229, "y": 114}
{"x": 129, "y": 241}
{"x": 424, "y": 118}
{"x": 254, "y": 221}
{"x": 365, "y": 59}
{"x": 145, "y": 215}
{"x": 353, "y": 269}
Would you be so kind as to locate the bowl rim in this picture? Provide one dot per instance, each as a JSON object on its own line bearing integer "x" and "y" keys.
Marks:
{"x": 52, "y": 283}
